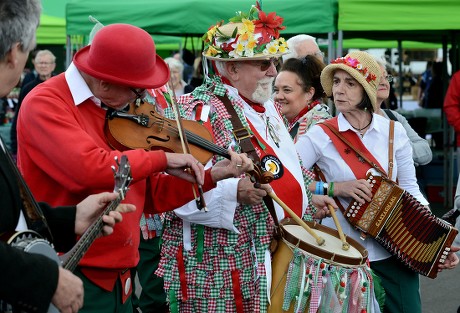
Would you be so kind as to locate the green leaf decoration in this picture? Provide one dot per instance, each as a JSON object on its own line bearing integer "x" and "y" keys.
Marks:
{"x": 223, "y": 37}
{"x": 235, "y": 31}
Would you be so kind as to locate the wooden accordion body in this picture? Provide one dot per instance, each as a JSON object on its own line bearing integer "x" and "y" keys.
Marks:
{"x": 403, "y": 226}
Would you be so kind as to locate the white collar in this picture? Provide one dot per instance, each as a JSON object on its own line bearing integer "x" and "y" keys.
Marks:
{"x": 78, "y": 87}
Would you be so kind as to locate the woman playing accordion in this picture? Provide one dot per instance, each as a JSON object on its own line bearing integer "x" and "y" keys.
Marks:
{"x": 346, "y": 147}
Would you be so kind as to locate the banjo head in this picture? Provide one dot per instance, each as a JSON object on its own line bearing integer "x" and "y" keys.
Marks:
{"x": 31, "y": 242}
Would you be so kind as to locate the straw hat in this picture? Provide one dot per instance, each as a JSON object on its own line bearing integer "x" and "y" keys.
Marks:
{"x": 123, "y": 54}
{"x": 361, "y": 66}
{"x": 249, "y": 36}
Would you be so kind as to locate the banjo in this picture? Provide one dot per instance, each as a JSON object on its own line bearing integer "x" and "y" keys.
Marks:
{"x": 32, "y": 242}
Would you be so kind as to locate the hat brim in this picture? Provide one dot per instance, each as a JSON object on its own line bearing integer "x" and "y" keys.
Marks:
{"x": 327, "y": 76}
{"x": 155, "y": 78}
{"x": 253, "y": 58}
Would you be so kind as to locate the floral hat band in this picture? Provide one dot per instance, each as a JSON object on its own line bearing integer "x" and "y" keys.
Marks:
{"x": 354, "y": 63}
{"x": 248, "y": 36}
{"x": 361, "y": 66}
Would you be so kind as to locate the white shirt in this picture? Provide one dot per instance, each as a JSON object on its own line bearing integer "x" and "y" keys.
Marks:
{"x": 222, "y": 200}
{"x": 317, "y": 147}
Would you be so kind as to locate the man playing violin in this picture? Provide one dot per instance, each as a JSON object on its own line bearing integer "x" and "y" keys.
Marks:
{"x": 219, "y": 261}
{"x": 62, "y": 145}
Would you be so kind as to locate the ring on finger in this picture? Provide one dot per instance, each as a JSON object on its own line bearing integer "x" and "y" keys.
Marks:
{"x": 239, "y": 165}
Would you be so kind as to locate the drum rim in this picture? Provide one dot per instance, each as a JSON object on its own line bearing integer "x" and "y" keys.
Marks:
{"x": 327, "y": 255}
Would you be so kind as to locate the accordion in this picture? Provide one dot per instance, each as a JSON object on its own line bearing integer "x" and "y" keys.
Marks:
{"x": 403, "y": 226}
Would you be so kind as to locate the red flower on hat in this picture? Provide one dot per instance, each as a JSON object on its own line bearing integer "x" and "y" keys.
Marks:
{"x": 228, "y": 46}
{"x": 354, "y": 63}
{"x": 268, "y": 26}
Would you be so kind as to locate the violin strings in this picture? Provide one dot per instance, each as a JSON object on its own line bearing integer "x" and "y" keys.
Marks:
{"x": 195, "y": 138}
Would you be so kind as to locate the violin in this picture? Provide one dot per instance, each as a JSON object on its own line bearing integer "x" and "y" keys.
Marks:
{"x": 142, "y": 127}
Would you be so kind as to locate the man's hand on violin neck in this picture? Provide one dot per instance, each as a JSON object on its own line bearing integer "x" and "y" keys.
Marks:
{"x": 178, "y": 162}
{"x": 237, "y": 165}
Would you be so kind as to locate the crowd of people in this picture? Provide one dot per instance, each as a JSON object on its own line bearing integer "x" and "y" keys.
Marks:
{"x": 194, "y": 232}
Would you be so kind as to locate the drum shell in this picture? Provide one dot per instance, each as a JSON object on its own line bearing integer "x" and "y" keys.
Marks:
{"x": 284, "y": 255}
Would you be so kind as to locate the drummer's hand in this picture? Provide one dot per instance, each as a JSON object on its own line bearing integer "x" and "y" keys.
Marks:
{"x": 321, "y": 203}
{"x": 247, "y": 193}
{"x": 451, "y": 261}
{"x": 359, "y": 190}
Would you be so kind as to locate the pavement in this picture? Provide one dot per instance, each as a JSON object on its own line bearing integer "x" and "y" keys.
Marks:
{"x": 441, "y": 295}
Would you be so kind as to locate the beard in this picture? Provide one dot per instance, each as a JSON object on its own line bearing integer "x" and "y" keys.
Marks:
{"x": 264, "y": 90}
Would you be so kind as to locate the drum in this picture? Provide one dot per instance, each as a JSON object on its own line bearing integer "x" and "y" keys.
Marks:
{"x": 307, "y": 277}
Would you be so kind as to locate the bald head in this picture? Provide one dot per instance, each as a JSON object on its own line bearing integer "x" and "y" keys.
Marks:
{"x": 301, "y": 46}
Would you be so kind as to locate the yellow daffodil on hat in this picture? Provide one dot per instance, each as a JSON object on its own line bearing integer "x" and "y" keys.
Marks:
{"x": 247, "y": 36}
{"x": 361, "y": 66}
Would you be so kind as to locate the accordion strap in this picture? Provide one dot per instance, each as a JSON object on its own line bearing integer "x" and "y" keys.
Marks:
{"x": 390, "y": 148}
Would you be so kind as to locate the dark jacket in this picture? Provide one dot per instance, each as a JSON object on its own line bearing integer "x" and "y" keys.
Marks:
{"x": 28, "y": 281}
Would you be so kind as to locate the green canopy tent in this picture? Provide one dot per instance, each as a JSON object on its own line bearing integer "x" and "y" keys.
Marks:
{"x": 192, "y": 18}
{"x": 435, "y": 21}
{"x": 51, "y": 30}
{"x": 423, "y": 20}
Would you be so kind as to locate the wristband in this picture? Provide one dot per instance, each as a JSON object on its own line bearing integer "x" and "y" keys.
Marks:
{"x": 319, "y": 188}
{"x": 331, "y": 189}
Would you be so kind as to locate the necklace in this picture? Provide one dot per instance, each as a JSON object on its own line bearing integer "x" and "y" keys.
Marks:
{"x": 270, "y": 129}
{"x": 361, "y": 129}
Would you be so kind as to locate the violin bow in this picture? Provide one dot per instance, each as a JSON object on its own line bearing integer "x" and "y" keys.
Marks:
{"x": 200, "y": 202}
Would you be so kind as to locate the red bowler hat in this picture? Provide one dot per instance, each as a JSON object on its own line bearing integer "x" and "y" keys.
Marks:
{"x": 123, "y": 54}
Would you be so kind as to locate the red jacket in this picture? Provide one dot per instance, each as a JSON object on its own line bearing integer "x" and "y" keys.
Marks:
{"x": 64, "y": 157}
{"x": 452, "y": 104}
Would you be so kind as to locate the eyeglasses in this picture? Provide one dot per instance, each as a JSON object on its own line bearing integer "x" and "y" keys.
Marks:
{"x": 265, "y": 64}
{"x": 44, "y": 63}
{"x": 389, "y": 78}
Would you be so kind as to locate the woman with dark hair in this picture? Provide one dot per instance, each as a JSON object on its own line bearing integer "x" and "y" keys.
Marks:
{"x": 299, "y": 92}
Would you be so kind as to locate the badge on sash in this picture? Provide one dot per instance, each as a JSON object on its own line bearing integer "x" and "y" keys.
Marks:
{"x": 273, "y": 165}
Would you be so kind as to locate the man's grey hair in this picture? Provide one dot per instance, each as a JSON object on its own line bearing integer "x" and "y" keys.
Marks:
{"x": 220, "y": 66}
{"x": 45, "y": 52}
{"x": 19, "y": 20}
{"x": 293, "y": 44}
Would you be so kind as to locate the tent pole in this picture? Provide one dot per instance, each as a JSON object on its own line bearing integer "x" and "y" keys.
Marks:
{"x": 340, "y": 43}
{"x": 447, "y": 136}
{"x": 330, "y": 47}
{"x": 68, "y": 51}
{"x": 401, "y": 88}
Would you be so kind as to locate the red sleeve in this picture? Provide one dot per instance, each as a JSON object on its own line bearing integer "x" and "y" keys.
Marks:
{"x": 68, "y": 144}
{"x": 452, "y": 102}
{"x": 165, "y": 198}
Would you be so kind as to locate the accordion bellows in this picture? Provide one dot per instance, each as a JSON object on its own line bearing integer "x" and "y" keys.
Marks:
{"x": 403, "y": 226}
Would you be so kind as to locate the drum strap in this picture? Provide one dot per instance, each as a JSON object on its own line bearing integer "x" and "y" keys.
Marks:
{"x": 243, "y": 136}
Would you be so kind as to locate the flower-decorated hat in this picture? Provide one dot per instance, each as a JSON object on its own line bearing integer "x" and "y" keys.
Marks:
{"x": 247, "y": 36}
{"x": 361, "y": 66}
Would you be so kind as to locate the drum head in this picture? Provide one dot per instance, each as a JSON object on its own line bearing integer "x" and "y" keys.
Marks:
{"x": 331, "y": 250}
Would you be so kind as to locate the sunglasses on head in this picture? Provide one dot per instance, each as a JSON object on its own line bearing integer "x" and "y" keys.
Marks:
{"x": 265, "y": 64}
